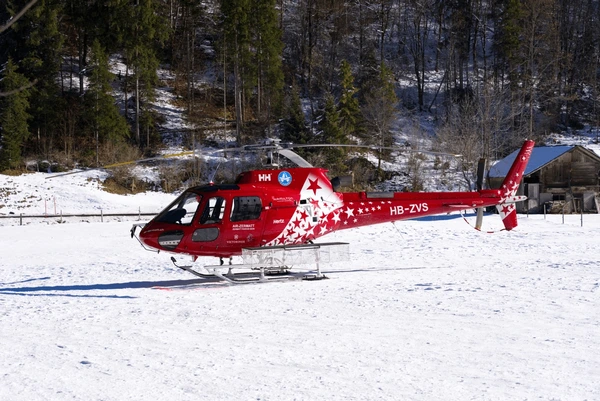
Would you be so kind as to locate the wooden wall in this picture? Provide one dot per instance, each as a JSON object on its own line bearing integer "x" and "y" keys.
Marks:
{"x": 570, "y": 170}
{"x": 573, "y": 173}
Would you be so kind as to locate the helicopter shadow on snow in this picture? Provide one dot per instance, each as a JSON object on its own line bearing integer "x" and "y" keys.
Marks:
{"x": 73, "y": 290}
{"x": 183, "y": 284}
{"x": 452, "y": 216}
{"x": 382, "y": 269}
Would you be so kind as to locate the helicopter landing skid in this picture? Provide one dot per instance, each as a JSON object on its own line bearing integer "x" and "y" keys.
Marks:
{"x": 271, "y": 263}
{"x": 189, "y": 269}
{"x": 258, "y": 275}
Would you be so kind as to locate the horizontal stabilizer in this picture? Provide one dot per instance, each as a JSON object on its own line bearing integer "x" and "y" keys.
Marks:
{"x": 515, "y": 199}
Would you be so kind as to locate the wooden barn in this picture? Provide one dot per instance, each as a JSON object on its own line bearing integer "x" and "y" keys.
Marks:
{"x": 564, "y": 178}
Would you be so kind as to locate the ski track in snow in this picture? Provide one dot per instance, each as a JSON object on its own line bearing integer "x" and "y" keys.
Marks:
{"x": 425, "y": 310}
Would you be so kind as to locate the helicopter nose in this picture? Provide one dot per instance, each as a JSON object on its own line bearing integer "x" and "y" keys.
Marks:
{"x": 160, "y": 239}
{"x": 149, "y": 237}
{"x": 170, "y": 239}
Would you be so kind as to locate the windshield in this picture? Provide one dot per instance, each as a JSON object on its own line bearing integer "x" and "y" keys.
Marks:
{"x": 182, "y": 210}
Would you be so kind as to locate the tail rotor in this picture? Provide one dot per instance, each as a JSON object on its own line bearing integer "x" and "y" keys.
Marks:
{"x": 480, "y": 175}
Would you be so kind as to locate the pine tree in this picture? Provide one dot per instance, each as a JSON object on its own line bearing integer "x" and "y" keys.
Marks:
{"x": 102, "y": 116}
{"x": 253, "y": 48}
{"x": 348, "y": 107}
{"x": 508, "y": 42}
{"x": 37, "y": 51}
{"x": 294, "y": 124}
{"x": 14, "y": 118}
{"x": 332, "y": 133}
{"x": 268, "y": 45}
{"x": 236, "y": 31}
{"x": 141, "y": 32}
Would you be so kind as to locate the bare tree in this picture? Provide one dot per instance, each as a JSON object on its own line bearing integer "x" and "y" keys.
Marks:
{"x": 418, "y": 18}
{"x": 379, "y": 110}
{"x": 479, "y": 127}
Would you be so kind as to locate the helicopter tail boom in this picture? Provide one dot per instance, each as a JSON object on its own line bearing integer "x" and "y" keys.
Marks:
{"x": 366, "y": 208}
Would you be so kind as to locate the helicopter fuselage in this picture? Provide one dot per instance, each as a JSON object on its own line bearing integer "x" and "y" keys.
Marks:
{"x": 292, "y": 206}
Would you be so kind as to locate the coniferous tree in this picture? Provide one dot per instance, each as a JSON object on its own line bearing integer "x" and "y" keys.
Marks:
{"x": 36, "y": 47}
{"x": 187, "y": 23}
{"x": 268, "y": 45}
{"x": 329, "y": 124}
{"x": 13, "y": 118}
{"x": 102, "y": 117}
{"x": 332, "y": 133}
{"x": 252, "y": 43}
{"x": 348, "y": 106}
{"x": 142, "y": 31}
{"x": 236, "y": 32}
{"x": 294, "y": 124}
{"x": 508, "y": 40}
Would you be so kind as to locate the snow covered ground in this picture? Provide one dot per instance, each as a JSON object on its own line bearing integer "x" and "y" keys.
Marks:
{"x": 425, "y": 310}
{"x": 34, "y": 194}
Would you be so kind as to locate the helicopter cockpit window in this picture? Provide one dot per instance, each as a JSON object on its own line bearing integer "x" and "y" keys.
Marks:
{"x": 182, "y": 210}
{"x": 246, "y": 208}
{"x": 213, "y": 211}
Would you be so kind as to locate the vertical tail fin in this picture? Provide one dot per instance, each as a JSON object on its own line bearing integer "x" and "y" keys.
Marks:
{"x": 506, "y": 207}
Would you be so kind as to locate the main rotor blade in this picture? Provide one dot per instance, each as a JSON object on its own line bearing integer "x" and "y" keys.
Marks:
{"x": 294, "y": 157}
{"x": 372, "y": 147}
{"x": 120, "y": 164}
{"x": 278, "y": 146}
{"x": 480, "y": 173}
{"x": 480, "y": 176}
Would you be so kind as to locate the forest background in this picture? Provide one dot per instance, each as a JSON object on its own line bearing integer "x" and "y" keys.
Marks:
{"x": 475, "y": 76}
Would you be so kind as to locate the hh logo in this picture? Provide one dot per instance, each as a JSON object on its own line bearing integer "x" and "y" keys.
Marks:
{"x": 264, "y": 177}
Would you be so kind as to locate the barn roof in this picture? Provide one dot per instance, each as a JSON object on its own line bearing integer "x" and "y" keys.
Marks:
{"x": 540, "y": 156}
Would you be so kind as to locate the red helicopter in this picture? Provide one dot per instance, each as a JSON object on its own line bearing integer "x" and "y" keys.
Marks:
{"x": 287, "y": 208}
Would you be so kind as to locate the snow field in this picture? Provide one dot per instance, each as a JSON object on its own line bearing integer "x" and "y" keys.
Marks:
{"x": 425, "y": 310}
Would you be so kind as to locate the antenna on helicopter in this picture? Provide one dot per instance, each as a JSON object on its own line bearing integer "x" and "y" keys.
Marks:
{"x": 211, "y": 180}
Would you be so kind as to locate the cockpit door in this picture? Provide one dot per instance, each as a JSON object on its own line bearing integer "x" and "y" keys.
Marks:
{"x": 209, "y": 221}
{"x": 245, "y": 222}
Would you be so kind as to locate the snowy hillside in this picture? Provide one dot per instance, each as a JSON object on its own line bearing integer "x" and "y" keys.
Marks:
{"x": 426, "y": 310}
{"x": 80, "y": 193}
